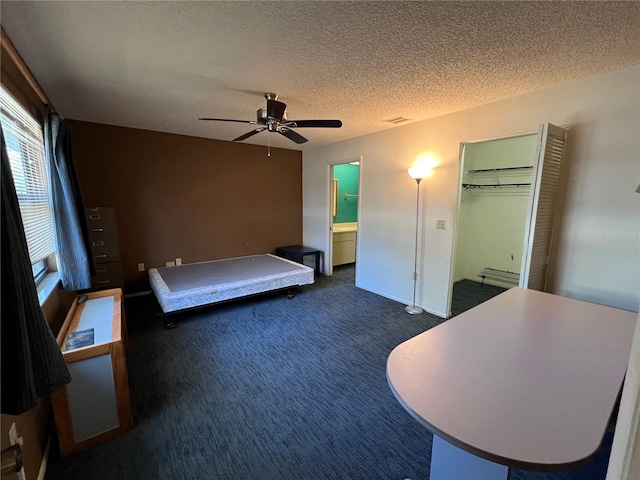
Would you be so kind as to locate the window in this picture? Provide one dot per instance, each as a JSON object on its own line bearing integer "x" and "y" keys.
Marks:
{"x": 25, "y": 148}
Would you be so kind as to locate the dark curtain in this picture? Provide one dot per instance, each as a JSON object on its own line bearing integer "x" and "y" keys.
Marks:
{"x": 73, "y": 244}
{"x": 32, "y": 364}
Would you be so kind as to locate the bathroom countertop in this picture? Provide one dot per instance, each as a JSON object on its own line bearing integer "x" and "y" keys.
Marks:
{"x": 345, "y": 227}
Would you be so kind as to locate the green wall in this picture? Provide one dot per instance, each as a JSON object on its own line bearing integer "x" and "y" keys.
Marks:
{"x": 348, "y": 177}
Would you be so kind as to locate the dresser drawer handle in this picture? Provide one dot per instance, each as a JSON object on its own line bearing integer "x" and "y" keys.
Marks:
{"x": 94, "y": 216}
{"x": 101, "y": 270}
{"x": 102, "y": 282}
{"x": 101, "y": 256}
{"x": 98, "y": 243}
{"x": 97, "y": 229}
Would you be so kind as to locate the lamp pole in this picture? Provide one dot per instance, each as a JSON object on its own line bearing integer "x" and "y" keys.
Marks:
{"x": 413, "y": 309}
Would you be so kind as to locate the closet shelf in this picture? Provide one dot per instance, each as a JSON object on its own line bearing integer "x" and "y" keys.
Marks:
{"x": 501, "y": 169}
{"x": 468, "y": 186}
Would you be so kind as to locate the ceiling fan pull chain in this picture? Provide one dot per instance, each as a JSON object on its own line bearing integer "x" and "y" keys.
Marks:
{"x": 268, "y": 147}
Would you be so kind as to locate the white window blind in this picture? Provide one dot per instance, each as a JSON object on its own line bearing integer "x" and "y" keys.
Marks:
{"x": 25, "y": 148}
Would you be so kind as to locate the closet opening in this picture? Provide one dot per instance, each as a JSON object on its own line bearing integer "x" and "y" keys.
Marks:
{"x": 506, "y": 215}
{"x": 494, "y": 190}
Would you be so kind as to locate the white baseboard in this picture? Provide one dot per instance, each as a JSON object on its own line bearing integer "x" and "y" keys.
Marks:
{"x": 399, "y": 300}
{"x": 435, "y": 312}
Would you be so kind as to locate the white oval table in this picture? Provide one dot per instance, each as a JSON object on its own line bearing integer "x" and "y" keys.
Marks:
{"x": 526, "y": 379}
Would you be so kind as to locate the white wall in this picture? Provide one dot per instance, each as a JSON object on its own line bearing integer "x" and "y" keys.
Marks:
{"x": 597, "y": 254}
{"x": 494, "y": 233}
{"x": 624, "y": 463}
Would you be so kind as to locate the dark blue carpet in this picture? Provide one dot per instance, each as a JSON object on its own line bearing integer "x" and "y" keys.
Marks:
{"x": 467, "y": 294}
{"x": 270, "y": 388}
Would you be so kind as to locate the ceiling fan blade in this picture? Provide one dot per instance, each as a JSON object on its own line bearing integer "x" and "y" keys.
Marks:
{"x": 229, "y": 120}
{"x": 314, "y": 123}
{"x": 249, "y": 134}
{"x": 291, "y": 135}
{"x": 275, "y": 109}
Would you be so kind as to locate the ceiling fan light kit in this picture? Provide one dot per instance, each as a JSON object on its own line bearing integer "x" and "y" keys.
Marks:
{"x": 273, "y": 118}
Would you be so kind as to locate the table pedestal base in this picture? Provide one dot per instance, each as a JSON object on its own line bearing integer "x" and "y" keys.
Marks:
{"x": 449, "y": 462}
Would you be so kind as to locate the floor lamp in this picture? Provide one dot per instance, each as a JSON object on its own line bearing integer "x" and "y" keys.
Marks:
{"x": 417, "y": 174}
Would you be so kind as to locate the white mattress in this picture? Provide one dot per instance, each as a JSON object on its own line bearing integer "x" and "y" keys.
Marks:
{"x": 196, "y": 284}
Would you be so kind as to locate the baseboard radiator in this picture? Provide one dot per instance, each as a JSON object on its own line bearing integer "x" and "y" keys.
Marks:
{"x": 504, "y": 276}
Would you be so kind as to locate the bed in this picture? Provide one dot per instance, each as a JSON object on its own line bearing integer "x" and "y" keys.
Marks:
{"x": 193, "y": 285}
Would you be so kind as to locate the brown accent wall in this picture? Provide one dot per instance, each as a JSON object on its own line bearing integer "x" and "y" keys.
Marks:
{"x": 188, "y": 197}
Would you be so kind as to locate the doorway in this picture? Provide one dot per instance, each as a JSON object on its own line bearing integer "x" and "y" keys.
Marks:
{"x": 507, "y": 201}
{"x": 495, "y": 184}
{"x": 345, "y": 205}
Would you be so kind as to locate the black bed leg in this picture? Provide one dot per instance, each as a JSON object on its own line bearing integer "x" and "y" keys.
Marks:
{"x": 290, "y": 294}
{"x": 169, "y": 322}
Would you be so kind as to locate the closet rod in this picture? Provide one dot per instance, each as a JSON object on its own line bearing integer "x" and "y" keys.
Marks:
{"x": 497, "y": 185}
{"x": 501, "y": 169}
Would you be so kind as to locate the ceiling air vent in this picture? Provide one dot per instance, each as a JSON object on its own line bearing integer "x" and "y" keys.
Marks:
{"x": 397, "y": 120}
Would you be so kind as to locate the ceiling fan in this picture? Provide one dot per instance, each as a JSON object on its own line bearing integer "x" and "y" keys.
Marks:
{"x": 273, "y": 118}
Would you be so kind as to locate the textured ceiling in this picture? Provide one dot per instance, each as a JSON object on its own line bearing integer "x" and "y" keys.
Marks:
{"x": 161, "y": 65}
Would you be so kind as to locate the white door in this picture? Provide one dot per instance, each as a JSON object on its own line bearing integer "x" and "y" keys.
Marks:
{"x": 542, "y": 206}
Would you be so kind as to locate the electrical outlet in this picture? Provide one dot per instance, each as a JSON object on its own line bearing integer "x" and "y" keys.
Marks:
{"x": 141, "y": 267}
{"x": 178, "y": 261}
{"x": 441, "y": 224}
{"x": 170, "y": 264}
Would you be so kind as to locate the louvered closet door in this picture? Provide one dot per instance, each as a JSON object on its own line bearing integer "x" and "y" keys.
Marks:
{"x": 542, "y": 206}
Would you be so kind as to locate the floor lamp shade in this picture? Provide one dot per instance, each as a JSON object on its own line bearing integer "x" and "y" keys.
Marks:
{"x": 417, "y": 174}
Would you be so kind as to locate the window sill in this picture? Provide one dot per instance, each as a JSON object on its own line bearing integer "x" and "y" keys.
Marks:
{"x": 47, "y": 286}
